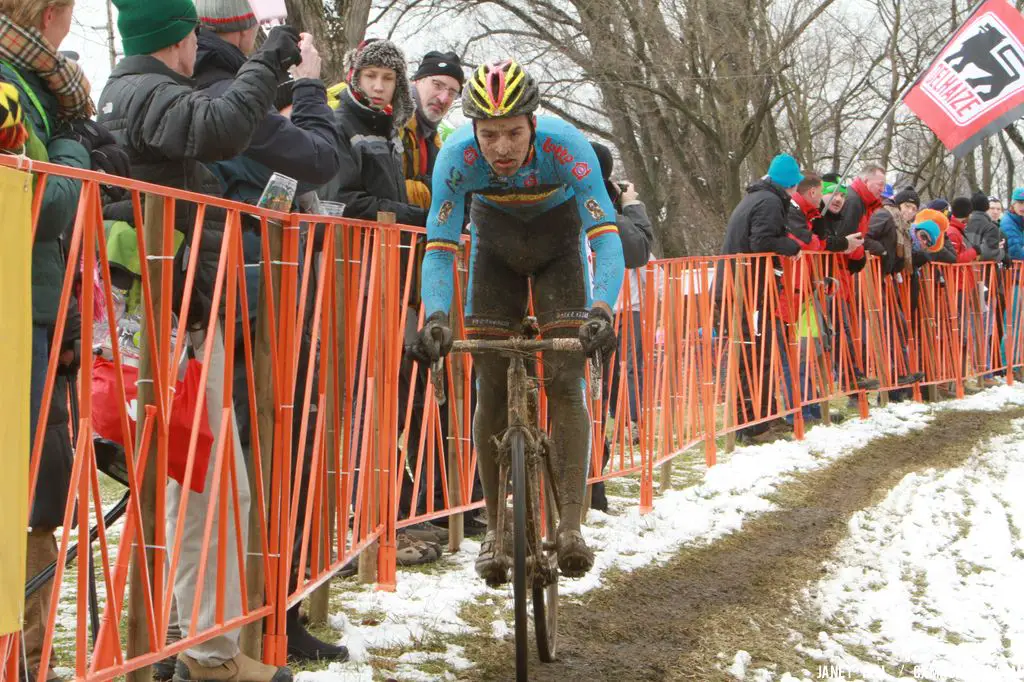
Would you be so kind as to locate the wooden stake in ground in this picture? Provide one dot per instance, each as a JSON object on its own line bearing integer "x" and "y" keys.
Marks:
{"x": 251, "y": 641}
{"x": 138, "y": 631}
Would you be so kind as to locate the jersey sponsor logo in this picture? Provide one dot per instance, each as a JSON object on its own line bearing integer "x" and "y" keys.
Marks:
{"x": 560, "y": 153}
{"x": 594, "y": 208}
{"x": 455, "y": 178}
{"x": 581, "y": 170}
{"x": 445, "y": 212}
{"x": 470, "y": 156}
{"x": 530, "y": 181}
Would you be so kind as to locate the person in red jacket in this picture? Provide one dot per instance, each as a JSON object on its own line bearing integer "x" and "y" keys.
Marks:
{"x": 961, "y": 209}
{"x": 806, "y": 226}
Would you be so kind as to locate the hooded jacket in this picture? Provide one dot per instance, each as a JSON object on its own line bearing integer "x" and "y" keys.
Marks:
{"x": 758, "y": 223}
{"x": 304, "y": 146}
{"x": 370, "y": 179}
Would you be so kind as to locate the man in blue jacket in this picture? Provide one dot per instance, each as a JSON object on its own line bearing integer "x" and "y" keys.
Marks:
{"x": 1012, "y": 225}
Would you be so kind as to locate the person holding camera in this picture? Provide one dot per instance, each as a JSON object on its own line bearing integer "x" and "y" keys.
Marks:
{"x": 637, "y": 235}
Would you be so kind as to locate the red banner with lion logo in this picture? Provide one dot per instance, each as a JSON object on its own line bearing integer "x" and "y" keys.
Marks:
{"x": 975, "y": 87}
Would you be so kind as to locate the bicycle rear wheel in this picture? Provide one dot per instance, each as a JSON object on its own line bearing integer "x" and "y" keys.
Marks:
{"x": 520, "y": 551}
{"x": 545, "y": 599}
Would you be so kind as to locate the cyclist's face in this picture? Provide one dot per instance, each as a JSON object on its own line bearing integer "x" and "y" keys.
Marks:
{"x": 505, "y": 143}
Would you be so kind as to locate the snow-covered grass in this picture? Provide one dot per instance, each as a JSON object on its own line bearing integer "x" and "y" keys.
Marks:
{"x": 971, "y": 516}
{"x": 927, "y": 584}
{"x": 428, "y": 608}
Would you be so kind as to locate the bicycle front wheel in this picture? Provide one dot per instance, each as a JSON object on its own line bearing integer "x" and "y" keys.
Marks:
{"x": 545, "y": 598}
{"x": 520, "y": 551}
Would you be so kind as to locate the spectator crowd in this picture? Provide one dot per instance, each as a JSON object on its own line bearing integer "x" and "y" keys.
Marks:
{"x": 792, "y": 210}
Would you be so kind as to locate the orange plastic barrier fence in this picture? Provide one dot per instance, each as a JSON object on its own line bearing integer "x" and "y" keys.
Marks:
{"x": 346, "y": 443}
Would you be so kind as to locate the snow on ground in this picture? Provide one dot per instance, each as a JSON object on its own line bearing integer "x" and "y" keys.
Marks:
{"x": 428, "y": 605}
{"x": 928, "y": 581}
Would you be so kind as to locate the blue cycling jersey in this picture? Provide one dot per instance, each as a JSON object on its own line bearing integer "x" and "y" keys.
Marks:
{"x": 561, "y": 166}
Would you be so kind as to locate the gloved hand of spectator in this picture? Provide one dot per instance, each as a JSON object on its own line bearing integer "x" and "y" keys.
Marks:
{"x": 280, "y": 51}
{"x": 112, "y": 160}
{"x": 87, "y": 133}
{"x": 598, "y": 334}
{"x": 434, "y": 340}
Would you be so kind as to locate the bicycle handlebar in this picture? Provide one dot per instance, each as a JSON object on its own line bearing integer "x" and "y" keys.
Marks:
{"x": 517, "y": 345}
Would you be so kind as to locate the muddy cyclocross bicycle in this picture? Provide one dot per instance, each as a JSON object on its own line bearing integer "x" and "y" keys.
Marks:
{"x": 524, "y": 458}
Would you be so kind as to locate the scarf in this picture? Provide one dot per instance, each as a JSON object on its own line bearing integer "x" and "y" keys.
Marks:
{"x": 26, "y": 49}
{"x": 811, "y": 212}
{"x": 871, "y": 204}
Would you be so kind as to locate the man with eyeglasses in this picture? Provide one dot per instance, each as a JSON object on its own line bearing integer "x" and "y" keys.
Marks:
{"x": 436, "y": 85}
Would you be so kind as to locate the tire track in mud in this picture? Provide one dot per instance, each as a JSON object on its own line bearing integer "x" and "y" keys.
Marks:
{"x": 671, "y": 622}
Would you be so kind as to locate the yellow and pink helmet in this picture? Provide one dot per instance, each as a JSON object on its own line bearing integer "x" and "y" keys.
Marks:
{"x": 500, "y": 89}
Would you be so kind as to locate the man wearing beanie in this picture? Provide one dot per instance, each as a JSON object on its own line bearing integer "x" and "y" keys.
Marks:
{"x": 758, "y": 225}
{"x": 889, "y": 237}
{"x": 304, "y": 146}
{"x": 170, "y": 130}
{"x": 435, "y": 87}
{"x": 960, "y": 210}
{"x": 982, "y": 233}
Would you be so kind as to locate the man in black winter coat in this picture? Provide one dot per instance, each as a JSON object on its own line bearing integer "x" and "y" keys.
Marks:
{"x": 170, "y": 131}
{"x": 304, "y": 146}
{"x": 758, "y": 225}
{"x": 983, "y": 233}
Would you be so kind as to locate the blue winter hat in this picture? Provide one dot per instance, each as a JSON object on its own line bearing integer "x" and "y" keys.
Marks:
{"x": 940, "y": 205}
{"x": 785, "y": 171}
{"x": 1018, "y": 194}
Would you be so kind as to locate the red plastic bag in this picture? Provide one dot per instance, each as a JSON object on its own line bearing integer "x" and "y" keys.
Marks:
{"x": 107, "y": 409}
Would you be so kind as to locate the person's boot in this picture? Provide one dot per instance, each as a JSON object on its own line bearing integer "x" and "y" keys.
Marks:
{"x": 303, "y": 646}
{"x": 241, "y": 668}
{"x": 163, "y": 671}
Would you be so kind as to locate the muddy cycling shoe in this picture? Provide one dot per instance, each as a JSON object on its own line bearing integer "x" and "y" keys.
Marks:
{"x": 575, "y": 559}
{"x": 496, "y": 570}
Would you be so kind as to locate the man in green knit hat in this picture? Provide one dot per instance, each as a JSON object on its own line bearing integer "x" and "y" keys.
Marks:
{"x": 170, "y": 130}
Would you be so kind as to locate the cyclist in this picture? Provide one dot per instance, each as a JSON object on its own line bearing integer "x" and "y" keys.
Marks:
{"x": 538, "y": 199}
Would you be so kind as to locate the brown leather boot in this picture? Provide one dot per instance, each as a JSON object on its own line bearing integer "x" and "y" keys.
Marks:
{"x": 241, "y": 668}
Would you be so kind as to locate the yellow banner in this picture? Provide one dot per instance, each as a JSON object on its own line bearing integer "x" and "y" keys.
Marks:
{"x": 16, "y": 351}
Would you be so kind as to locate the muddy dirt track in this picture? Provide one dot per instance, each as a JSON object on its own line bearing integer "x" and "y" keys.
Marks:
{"x": 671, "y": 622}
